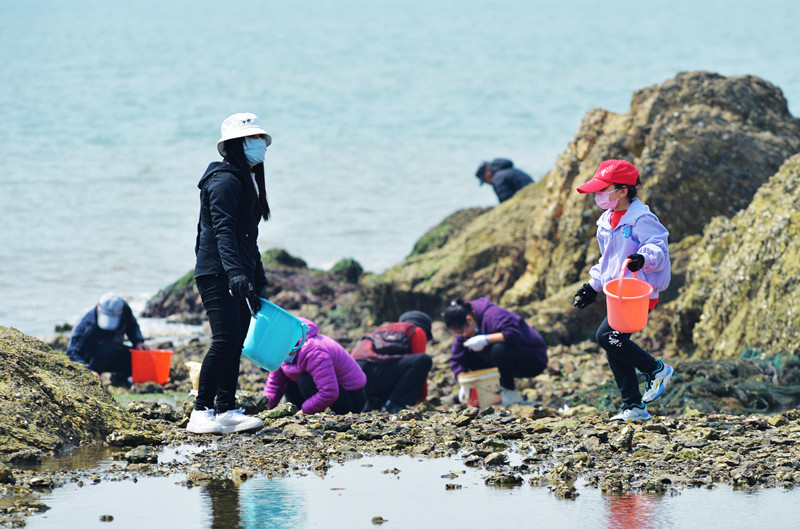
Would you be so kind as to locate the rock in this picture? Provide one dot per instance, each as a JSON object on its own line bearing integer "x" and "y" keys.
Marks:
{"x": 624, "y": 440}
{"x": 142, "y": 454}
{"x": 133, "y": 438}
{"x": 49, "y": 402}
{"x": 743, "y": 269}
{"x": 503, "y": 479}
{"x": 690, "y": 136}
{"x": 495, "y": 459}
{"x": 378, "y": 520}
{"x": 6, "y": 475}
{"x": 286, "y": 409}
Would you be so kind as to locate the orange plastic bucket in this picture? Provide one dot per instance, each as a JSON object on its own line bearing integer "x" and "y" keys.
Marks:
{"x": 150, "y": 366}
{"x": 628, "y": 302}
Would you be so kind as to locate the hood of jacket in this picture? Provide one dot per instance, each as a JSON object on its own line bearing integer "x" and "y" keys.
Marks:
{"x": 479, "y": 307}
{"x": 215, "y": 167}
{"x": 498, "y": 164}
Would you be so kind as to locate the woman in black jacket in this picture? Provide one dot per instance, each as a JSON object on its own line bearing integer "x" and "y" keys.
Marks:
{"x": 229, "y": 273}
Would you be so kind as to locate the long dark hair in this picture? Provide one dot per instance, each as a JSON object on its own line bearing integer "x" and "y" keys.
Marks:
{"x": 455, "y": 316}
{"x": 234, "y": 155}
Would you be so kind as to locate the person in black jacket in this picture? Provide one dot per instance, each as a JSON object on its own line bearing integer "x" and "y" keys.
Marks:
{"x": 97, "y": 341}
{"x": 229, "y": 273}
{"x": 503, "y": 177}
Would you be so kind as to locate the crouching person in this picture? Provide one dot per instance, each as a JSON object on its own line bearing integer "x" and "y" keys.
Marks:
{"x": 485, "y": 335}
{"x": 394, "y": 360}
{"x": 320, "y": 375}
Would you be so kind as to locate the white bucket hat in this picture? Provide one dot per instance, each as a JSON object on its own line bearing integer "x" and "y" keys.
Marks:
{"x": 240, "y": 125}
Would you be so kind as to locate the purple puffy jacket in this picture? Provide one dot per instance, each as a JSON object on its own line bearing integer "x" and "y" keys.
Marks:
{"x": 328, "y": 363}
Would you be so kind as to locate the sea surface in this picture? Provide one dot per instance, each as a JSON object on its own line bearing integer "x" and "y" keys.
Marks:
{"x": 379, "y": 110}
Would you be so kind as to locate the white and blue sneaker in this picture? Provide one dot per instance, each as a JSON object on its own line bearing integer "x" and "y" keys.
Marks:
{"x": 655, "y": 386}
{"x": 633, "y": 413}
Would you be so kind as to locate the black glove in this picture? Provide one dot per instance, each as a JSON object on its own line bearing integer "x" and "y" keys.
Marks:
{"x": 239, "y": 286}
{"x": 585, "y": 296}
{"x": 637, "y": 262}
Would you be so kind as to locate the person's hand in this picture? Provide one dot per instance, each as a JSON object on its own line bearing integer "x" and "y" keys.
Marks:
{"x": 95, "y": 373}
{"x": 239, "y": 286}
{"x": 477, "y": 343}
{"x": 463, "y": 395}
{"x": 142, "y": 347}
{"x": 637, "y": 262}
{"x": 585, "y": 296}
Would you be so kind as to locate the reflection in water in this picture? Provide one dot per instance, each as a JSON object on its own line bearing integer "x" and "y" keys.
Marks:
{"x": 630, "y": 511}
{"x": 224, "y": 497}
{"x": 272, "y": 503}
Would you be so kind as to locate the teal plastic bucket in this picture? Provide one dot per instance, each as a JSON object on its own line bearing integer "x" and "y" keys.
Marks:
{"x": 273, "y": 335}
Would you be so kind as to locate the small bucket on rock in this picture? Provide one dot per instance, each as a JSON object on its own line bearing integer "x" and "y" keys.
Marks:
{"x": 482, "y": 387}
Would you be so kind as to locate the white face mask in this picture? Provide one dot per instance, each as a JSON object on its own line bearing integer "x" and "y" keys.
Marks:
{"x": 602, "y": 201}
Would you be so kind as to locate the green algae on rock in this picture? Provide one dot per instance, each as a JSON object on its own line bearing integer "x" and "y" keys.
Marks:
{"x": 49, "y": 402}
{"x": 742, "y": 287}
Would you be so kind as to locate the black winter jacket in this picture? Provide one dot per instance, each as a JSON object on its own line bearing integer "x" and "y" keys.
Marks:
{"x": 227, "y": 232}
{"x": 506, "y": 179}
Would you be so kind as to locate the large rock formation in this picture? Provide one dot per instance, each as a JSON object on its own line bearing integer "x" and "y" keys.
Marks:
{"x": 743, "y": 283}
{"x": 49, "y": 402}
{"x": 703, "y": 143}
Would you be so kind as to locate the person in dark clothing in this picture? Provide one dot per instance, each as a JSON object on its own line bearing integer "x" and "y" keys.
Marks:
{"x": 486, "y": 335}
{"x": 98, "y": 340}
{"x": 503, "y": 177}
{"x": 399, "y": 379}
{"x": 228, "y": 272}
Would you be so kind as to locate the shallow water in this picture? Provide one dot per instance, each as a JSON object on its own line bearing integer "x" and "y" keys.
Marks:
{"x": 407, "y": 493}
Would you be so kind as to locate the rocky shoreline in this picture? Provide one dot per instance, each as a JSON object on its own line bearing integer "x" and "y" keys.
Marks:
{"x": 718, "y": 161}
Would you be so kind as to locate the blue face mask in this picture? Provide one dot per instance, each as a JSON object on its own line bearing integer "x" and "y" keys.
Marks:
{"x": 254, "y": 150}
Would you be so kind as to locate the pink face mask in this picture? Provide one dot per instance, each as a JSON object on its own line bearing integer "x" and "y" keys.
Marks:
{"x": 602, "y": 201}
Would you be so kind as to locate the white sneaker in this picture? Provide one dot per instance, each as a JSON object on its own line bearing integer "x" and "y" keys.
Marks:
{"x": 510, "y": 396}
{"x": 236, "y": 421}
{"x": 655, "y": 387}
{"x": 632, "y": 414}
{"x": 203, "y": 421}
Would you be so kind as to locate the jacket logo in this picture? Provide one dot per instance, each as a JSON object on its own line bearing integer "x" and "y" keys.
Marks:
{"x": 626, "y": 232}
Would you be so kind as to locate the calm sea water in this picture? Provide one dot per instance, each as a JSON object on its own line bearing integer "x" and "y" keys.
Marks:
{"x": 379, "y": 110}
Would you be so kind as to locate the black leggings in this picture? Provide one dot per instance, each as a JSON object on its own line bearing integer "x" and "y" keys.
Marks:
{"x": 512, "y": 361}
{"x": 350, "y": 400}
{"x": 400, "y": 380}
{"x": 229, "y": 318}
{"x": 624, "y": 358}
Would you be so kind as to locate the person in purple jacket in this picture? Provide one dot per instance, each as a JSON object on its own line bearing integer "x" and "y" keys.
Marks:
{"x": 627, "y": 230}
{"x": 321, "y": 375}
{"x": 486, "y": 335}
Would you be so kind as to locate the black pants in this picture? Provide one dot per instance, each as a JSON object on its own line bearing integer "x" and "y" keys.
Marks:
{"x": 624, "y": 358}
{"x": 512, "y": 362}
{"x": 350, "y": 400}
{"x": 229, "y": 318}
{"x": 111, "y": 357}
{"x": 400, "y": 380}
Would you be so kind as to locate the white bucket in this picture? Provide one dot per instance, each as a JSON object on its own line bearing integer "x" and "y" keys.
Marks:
{"x": 194, "y": 374}
{"x": 482, "y": 386}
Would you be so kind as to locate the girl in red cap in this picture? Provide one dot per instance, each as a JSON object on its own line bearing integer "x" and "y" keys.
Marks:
{"x": 627, "y": 230}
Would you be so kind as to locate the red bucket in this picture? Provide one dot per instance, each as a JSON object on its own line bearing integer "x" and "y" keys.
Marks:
{"x": 151, "y": 365}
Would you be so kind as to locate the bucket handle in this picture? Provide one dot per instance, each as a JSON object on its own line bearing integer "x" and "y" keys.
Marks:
{"x": 621, "y": 275}
{"x": 302, "y": 340}
{"x": 249, "y": 306}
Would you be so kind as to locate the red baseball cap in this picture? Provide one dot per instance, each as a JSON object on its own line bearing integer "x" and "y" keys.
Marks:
{"x": 611, "y": 172}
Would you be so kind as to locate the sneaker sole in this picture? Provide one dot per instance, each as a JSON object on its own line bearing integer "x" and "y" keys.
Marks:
{"x": 241, "y": 428}
{"x": 195, "y": 429}
{"x": 662, "y": 384}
